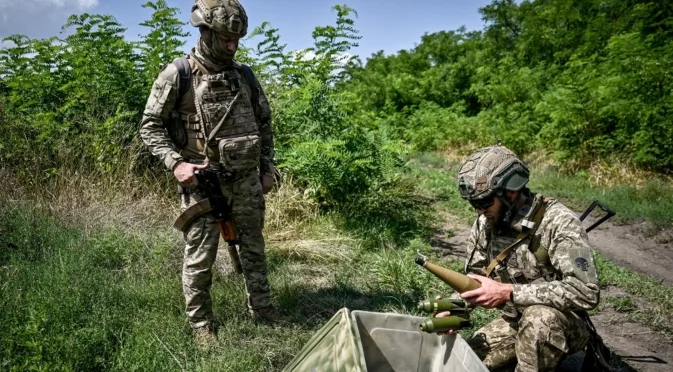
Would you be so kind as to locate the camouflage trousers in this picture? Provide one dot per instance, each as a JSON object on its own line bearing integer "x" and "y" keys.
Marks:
{"x": 536, "y": 342}
{"x": 203, "y": 236}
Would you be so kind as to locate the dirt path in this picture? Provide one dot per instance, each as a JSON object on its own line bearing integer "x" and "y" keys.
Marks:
{"x": 637, "y": 247}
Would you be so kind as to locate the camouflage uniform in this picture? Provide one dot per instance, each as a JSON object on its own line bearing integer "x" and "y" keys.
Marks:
{"x": 217, "y": 87}
{"x": 553, "y": 274}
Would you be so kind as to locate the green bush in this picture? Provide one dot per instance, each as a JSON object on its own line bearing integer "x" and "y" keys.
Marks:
{"x": 582, "y": 82}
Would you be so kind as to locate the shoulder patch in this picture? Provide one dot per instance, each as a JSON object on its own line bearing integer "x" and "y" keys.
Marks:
{"x": 582, "y": 263}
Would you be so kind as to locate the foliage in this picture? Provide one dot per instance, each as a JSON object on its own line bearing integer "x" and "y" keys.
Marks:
{"x": 86, "y": 94}
{"x": 163, "y": 41}
{"x": 581, "y": 80}
{"x": 343, "y": 163}
{"x": 324, "y": 62}
{"x": 75, "y": 102}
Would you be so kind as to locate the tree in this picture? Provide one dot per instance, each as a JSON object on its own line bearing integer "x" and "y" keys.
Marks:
{"x": 163, "y": 41}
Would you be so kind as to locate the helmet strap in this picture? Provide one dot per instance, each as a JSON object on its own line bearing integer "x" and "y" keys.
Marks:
{"x": 509, "y": 206}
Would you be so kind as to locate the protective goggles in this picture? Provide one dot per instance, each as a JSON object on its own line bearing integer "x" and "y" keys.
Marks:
{"x": 483, "y": 204}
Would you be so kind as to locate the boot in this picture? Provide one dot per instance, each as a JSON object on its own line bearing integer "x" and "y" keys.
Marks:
{"x": 269, "y": 314}
{"x": 205, "y": 338}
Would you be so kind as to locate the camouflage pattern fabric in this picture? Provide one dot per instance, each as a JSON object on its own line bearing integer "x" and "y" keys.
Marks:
{"x": 224, "y": 16}
{"x": 202, "y": 238}
{"x": 536, "y": 342}
{"x": 568, "y": 281}
{"x": 215, "y": 94}
{"x": 490, "y": 169}
{"x": 162, "y": 102}
{"x": 252, "y": 118}
{"x": 563, "y": 281}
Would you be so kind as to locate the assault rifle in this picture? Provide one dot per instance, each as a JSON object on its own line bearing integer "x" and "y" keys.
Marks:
{"x": 217, "y": 203}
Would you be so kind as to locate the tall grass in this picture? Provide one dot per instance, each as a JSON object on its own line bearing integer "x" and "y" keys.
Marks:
{"x": 652, "y": 201}
{"x": 633, "y": 194}
{"x": 92, "y": 282}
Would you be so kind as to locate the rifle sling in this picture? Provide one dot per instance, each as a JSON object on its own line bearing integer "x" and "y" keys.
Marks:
{"x": 502, "y": 257}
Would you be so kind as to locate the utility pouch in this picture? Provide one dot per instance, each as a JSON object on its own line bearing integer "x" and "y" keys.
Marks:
{"x": 240, "y": 154}
{"x": 176, "y": 130}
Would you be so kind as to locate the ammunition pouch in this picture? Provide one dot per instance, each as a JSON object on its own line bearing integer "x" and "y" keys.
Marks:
{"x": 176, "y": 130}
{"x": 240, "y": 154}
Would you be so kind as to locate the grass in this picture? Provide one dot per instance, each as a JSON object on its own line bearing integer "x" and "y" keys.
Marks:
{"x": 651, "y": 202}
{"x": 82, "y": 293}
{"x": 436, "y": 178}
{"x": 89, "y": 285}
{"x": 650, "y": 303}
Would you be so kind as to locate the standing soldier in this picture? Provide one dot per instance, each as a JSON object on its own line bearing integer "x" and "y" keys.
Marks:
{"x": 539, "y": 254}
{"x": 207, "y": 111}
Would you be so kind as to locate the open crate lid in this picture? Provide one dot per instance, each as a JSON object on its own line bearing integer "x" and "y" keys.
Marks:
{"x": 332, "y": 348}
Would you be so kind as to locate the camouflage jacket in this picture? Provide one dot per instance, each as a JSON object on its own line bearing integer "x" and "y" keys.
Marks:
{"x": 564, "y": 278}
{"x": 162, "y": 102}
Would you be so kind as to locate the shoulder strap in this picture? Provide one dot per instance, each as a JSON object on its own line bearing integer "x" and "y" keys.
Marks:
{"x": 249, "y": 76}
{"x": 500, "y": 260}
{"x": 174, "y": 126}
{"x": 184, "y": 76}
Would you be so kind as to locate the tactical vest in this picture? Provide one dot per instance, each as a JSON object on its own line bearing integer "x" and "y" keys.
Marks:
{"x": 215, "y": 94}
{"x": 529, "y": 261}
{"x": 218, "y": 116}
{"x": 526, "y": 262}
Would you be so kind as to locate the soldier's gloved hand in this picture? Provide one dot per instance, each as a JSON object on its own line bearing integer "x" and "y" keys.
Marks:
{"x": 444, "y": 314}
{"x": 267, "y": 183}
{"x": 184, "y": 173}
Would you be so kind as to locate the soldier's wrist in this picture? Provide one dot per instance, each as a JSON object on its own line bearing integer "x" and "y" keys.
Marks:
{"x": 512, "y": 295}
{"x": 172, "y": 160}
{"x": 177, "y": 163}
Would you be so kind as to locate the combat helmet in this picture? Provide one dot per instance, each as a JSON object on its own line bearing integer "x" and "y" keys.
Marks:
{"x": 491, "y": 171}
{"x": 223, "y": 16}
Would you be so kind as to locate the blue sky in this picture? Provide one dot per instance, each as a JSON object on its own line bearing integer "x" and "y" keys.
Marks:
{"x": 384, "y": 25}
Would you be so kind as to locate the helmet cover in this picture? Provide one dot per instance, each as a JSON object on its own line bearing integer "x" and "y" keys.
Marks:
{"x": 223, "y": 16}
{"x": 491, "y": 170}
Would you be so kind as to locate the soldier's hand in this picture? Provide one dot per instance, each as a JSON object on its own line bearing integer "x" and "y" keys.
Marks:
{"x": 444, "y": 314}
{"x": 491, "y": 294}
{"x": 267, "y": 183}
{"x": 184, "y": 173}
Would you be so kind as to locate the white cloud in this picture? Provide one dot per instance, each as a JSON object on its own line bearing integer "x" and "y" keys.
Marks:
{"x": 38, "y": 18}
{"x": 50, "y": 4}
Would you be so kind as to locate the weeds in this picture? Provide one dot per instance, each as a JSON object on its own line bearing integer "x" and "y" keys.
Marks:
{"x": 653, "y": 304}
{"x": 651, "y": 202}
{"x": 650, "y": 199}
{"x": 99, "y": 288}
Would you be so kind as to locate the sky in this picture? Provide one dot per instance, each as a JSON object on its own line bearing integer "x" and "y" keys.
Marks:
{"x": 390, "y": 25}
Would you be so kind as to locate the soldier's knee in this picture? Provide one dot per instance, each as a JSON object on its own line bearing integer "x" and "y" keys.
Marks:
{"x": 541, "y": 314}
{"x": 537, "y": 321}
{"x": 541, "y": 339}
